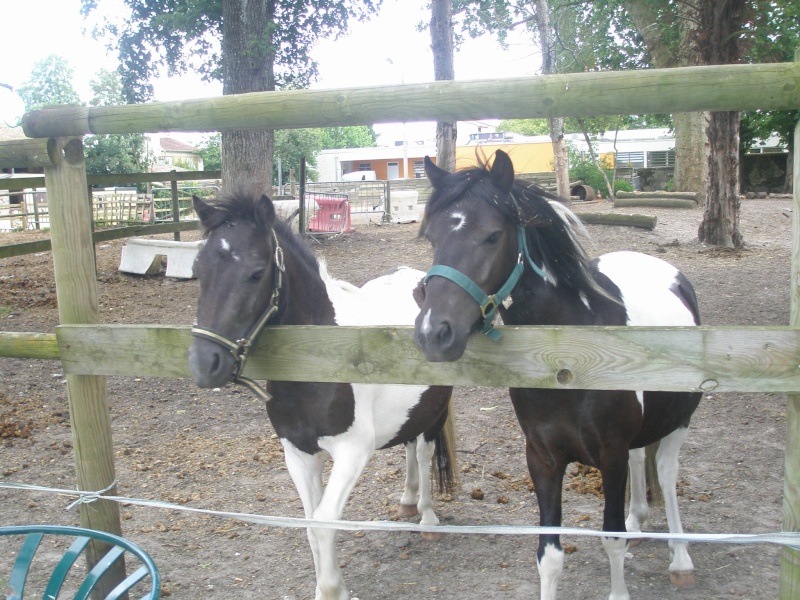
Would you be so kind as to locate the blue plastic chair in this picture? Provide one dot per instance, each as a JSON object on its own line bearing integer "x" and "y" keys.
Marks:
{"x": 119, "y": 546}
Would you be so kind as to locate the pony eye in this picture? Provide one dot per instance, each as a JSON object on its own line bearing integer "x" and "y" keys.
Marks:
{"x": 257, "y": 275}
{"x": 493, "y": 238}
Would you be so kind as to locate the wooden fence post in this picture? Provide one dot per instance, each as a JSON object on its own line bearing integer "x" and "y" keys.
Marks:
{"x": 176, "y": 207}
{"x": 790, "y": 556}
{"x": 76, "y": 289}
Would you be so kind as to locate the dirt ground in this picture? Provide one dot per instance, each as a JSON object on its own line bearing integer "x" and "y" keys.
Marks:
{"x": 216, "y": 449}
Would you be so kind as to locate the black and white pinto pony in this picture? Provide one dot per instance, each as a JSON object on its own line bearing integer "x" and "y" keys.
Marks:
{"x": 502, "y": 245}
{"x": 253, "y": 270}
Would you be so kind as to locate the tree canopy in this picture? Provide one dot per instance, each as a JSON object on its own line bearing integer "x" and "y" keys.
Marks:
{"x": 50, "y": 84}
{"x": 183, "y": 35}
{"x": 112, "y": 153}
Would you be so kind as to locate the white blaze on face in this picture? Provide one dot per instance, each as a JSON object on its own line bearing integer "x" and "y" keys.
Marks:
{"x": 425, "y": 328}
{"x": 459, "y": 220}
{"x": 225, "y": 245}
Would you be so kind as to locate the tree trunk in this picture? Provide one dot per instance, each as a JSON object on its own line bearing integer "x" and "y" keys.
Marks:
{"x": 547, "y": 39}
{"x": 691, "y": 148}
{"x": 691, "y": 143}
{"x": 720, "y": 224}
{"x": 247, "y": 66}
{"x": 691, "y": 153}
{"x": 443, "y": 70}
{"x": 717, "y": 41}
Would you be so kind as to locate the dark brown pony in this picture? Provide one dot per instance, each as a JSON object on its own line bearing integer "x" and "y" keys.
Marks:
{"x": 501, "y": 245}
{"x": 253, "y": 271}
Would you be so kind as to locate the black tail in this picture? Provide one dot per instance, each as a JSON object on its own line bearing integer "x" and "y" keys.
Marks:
{"x": 445, "y": 453}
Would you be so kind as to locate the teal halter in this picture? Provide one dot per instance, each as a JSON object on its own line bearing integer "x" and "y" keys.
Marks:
{"x": 489, "y": 304}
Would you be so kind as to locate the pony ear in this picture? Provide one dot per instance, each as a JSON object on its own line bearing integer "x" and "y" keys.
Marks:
{"x": 203, "y": 210}
{"x": 502, "y": 171}
{"x": 434, "y": 173}
{"x": 266, "y": 209}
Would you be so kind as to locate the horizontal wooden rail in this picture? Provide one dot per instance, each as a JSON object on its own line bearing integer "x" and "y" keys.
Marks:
{"x": 101, "y": 235}
{"x": 28, "y": 345}
{"x": 21, "y": 183}
{"x": 24, "y": 153}
{"x": 725, "y": 87}
{"x": 722, "y": 359}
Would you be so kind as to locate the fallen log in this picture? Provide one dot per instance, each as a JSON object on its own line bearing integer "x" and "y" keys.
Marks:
{"x": 634, "y": 220}
{"x": 658, "y": 194}
{"x": 655, "y": 202}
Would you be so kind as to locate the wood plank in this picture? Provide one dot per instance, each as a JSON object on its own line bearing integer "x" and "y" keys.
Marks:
{"x": 113, "y": 179}
{"x": 725, "y": 359}
{"x": 100, "y": 235}
{"x": 28, "y": 345}
{"x": 773, "y": 86}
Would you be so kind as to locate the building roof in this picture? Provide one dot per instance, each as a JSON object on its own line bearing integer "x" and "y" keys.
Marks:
{"x": 174, "y": 145}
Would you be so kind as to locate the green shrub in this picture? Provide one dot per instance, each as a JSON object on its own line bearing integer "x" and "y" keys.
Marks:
{"x": 622, "y": 185}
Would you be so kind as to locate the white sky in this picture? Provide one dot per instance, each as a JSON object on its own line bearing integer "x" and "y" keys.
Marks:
{"x": 386, "y": 50}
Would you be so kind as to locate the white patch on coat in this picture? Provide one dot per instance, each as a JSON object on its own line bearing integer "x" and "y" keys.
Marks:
{"x": 550, "y": 568}
{"x": 644, "y": 282}
{"x": 224, "y": 244}
{"x": 460, "y": 219}
{"x": 386, "y": 300}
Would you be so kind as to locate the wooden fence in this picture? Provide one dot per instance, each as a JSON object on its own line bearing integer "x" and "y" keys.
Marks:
{"x": 121, "y": 209}
{"x": 722, "y": 358}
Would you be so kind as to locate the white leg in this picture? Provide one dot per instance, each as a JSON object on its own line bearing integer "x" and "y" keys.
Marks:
{"x": 638, "y": 512}
{"x": 425, "y": 452}
{"x": 616, "y": 548}
{"x": 306, "y": 473}
{"x": 408, "y": 501}
{"x": 349, "y": 461}
{"x": 681, "y": 569}
{"x": 550, "y": 569}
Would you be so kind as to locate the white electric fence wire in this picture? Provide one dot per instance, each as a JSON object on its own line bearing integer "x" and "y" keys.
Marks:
{"x": 786, "y": 538}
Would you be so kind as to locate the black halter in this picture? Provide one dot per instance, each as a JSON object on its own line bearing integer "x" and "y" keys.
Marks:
{"x": 240, "y": 348}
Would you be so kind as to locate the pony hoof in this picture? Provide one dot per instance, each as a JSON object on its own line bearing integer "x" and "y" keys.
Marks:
{"x": 683, "y": 580}
{"x": 407, "y": 510}
{"x": 431, "y": 536}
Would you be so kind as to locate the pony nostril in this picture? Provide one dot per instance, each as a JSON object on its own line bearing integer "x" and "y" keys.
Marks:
{"x": 444, "y": 334}
{"x": 215, "y": 363}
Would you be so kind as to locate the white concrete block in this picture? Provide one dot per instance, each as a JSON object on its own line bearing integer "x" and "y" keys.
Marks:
{"x": 403, "y": 206}
{"x": 143, "y": 257}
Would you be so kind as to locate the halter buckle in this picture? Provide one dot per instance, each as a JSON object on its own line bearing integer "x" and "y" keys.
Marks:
{"x": 491, "y": 301}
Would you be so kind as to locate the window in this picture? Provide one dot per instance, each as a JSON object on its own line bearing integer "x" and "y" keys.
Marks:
{"x": 419, "y": 169}
{"x": 365, "y": 166}
{"x": 630, "y": 159}
{"x": 662, "y": 158}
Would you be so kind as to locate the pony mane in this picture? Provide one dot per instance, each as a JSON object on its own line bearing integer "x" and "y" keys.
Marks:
{"x": 330, "y": 280}
{"x": 553, "y": 231}
{"x": 244, "y": 205}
